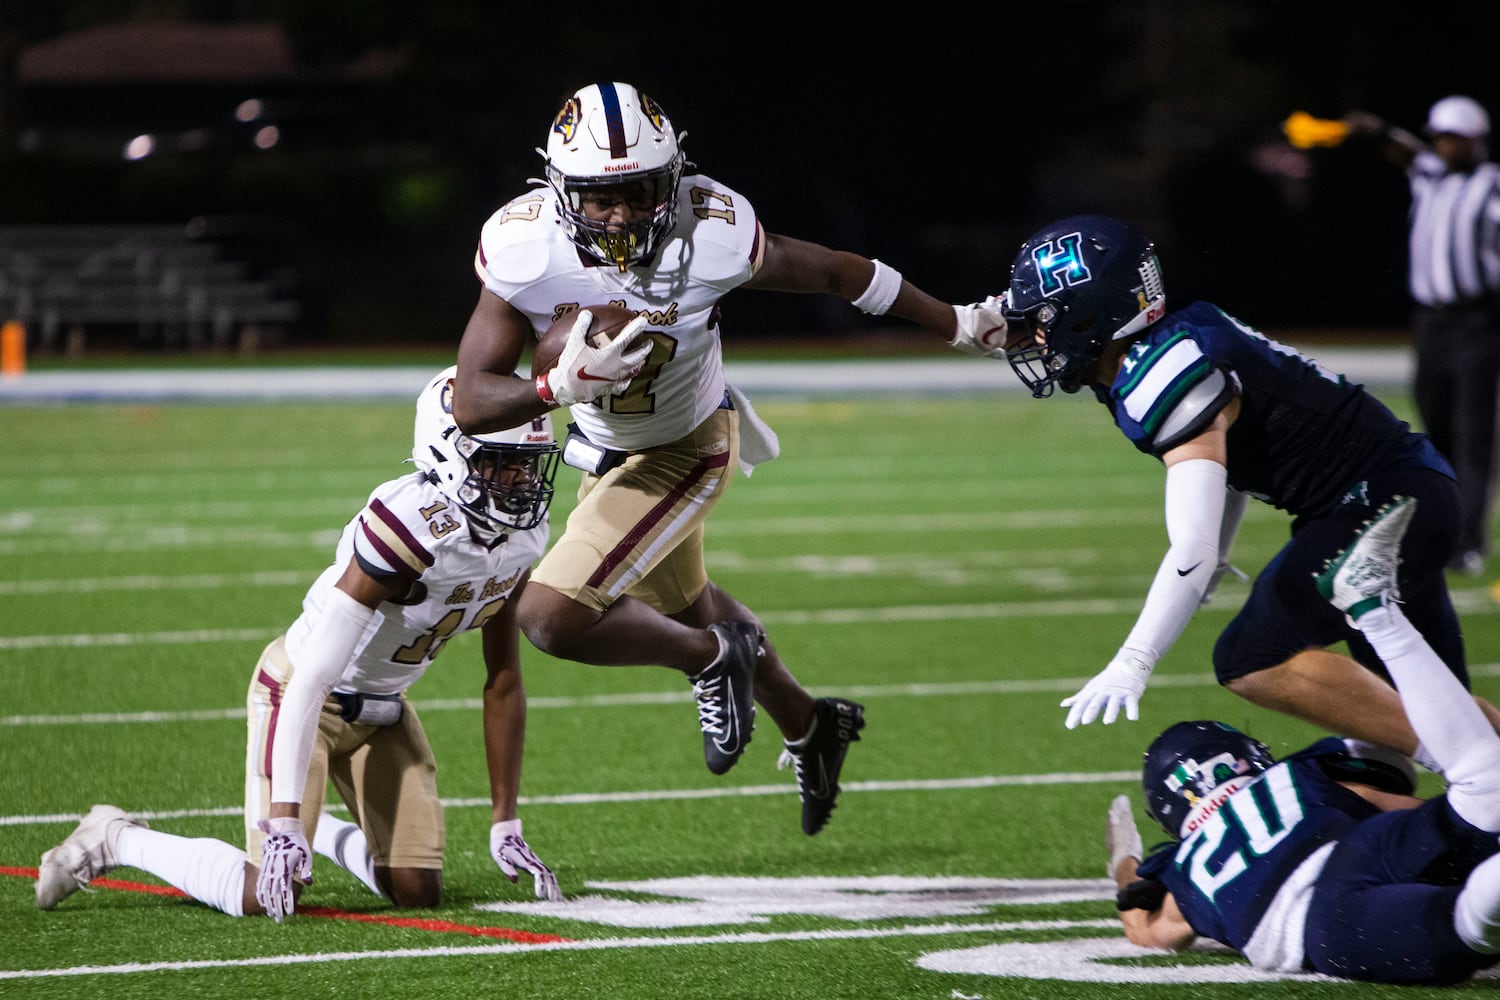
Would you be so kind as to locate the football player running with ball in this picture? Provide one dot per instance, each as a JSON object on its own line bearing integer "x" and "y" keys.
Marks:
{"x": 1322, "y": 862}
{"x": 656, "y": 431}
{"x": 1232, "y": 414}
{"x": 438, "y": 551}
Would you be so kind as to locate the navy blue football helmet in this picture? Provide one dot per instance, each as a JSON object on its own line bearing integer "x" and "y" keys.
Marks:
{"x": 1188, "y": 761}
{"x": 1080, "y": 282}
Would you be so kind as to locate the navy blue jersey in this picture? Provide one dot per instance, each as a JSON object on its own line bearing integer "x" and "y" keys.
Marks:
{"x": 1226, "y": 871}
{"x": 1304, "y": 434}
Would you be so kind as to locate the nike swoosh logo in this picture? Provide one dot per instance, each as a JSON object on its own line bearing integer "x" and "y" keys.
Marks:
{"x": 589, "y": 376}
{"x": 817, "y": 785}
{"x": 731, "y": 738}
{"x": 1185, "y": 572}
{"x": 729, "y": 742}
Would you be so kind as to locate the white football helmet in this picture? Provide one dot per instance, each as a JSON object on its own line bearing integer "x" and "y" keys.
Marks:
{"x": 610, "y": 135}
{"x": 503, "y": 480}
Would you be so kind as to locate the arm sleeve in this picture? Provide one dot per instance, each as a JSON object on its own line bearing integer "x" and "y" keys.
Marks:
{"x": 1195, "y": 501}
{"x": 329, "y": 648}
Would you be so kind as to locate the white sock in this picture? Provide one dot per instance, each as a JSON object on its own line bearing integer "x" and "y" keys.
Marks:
{"x": 1452, "y": 728}
{"x": 1476, "y": 915}
{"x": 723, "y": 652}
{"x": 344, "y": 843}
{"x": 209, "y": 870}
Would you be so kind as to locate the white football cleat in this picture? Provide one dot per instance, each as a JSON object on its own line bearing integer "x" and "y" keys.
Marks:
{"x": 89, "y": 852}
{"x": 1363, "y": 576}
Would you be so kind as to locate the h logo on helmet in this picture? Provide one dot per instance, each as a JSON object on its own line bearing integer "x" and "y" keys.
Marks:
{"x": 1059, "y": 264}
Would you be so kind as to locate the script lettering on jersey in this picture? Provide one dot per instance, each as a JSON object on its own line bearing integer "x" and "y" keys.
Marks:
{"x": 654, "y": 317}
{"x": 498, "y": 588}
{"x": 462, "y": 594}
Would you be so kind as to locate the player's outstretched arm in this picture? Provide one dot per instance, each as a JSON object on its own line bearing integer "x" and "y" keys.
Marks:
{"x": 1194, "y": 508}
{"x": 1396, "y": 144}
{"x": 793, "y": 265}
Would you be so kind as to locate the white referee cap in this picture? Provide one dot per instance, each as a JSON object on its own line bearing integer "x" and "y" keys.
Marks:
{"x": 1458, "y": 115}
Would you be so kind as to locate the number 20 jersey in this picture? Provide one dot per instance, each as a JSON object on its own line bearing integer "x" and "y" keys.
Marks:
{"x": 410, "y": 535}
{"x": 1243, "y": 873}
{"x": 526, "y": 259}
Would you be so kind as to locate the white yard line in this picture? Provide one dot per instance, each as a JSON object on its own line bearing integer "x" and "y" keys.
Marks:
{"x": 664, "y": 795}
{"x": 595, "y": 944}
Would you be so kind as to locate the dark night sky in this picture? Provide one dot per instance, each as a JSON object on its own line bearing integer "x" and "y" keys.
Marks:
{"x": 933, "y": 138}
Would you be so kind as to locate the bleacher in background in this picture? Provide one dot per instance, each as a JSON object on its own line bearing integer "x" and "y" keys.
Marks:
{"x": 155, "y": 286}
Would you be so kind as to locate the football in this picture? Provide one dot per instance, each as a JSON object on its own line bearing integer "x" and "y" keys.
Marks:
{"x": 609, "y": 320}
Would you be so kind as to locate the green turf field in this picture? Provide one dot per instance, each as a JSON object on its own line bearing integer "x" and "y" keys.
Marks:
{"x": 956, "y": 564}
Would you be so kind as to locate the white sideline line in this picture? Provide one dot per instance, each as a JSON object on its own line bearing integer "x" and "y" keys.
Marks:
{"x": 596, "y": 944}
{"x": 795, "y": 380}
{"x": 668, "y": 794}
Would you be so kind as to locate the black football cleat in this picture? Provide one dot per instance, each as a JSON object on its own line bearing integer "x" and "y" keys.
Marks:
{"x": 725, "y": 690}
{"x": 819, "y": 757}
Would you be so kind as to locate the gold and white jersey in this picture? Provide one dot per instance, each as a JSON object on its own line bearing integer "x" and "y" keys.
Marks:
{"x": 526, "y": 259}
{"x": 411, "y": 534}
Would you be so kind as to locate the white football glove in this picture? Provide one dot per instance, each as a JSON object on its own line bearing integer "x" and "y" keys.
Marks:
{"x": 511, "y": 853}
{"x": 981, "y": 327}
{"x": 1122, "y": 839}
{"x": 1213, "y": 581}
{"x": 1119, "y": 685}
{"x": 584, "y": 373}
{"x": 286, "y": 857}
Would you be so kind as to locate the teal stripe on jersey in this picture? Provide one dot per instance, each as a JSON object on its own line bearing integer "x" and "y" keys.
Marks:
{"x": 1162, "y": 408}
{"x": 1138, "y": 371}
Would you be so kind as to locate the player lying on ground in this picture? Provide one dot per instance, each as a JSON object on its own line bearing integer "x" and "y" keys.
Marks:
{"x": 1318, "y": 862}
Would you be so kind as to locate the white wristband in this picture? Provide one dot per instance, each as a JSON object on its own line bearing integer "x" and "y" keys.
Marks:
{"x": 885, "y": 285}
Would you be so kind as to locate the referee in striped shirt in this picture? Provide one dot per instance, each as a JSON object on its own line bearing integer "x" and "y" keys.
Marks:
{"x": 1454, "y": 279}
